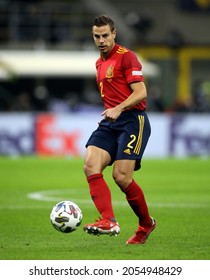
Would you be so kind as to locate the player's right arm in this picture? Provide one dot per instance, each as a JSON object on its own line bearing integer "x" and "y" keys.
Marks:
{"x": 138, "y": 94}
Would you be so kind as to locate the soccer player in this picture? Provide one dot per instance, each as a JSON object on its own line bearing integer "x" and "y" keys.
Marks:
{"x": 122, "y": 134}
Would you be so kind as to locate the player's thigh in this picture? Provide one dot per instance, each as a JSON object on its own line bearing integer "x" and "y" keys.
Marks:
{"x": 96, "y": 159}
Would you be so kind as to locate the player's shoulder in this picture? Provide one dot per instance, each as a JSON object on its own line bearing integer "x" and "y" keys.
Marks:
{"x": 125, "y": 51}
{"x": 121, "y": 49}
{"x": 98, "y": 61}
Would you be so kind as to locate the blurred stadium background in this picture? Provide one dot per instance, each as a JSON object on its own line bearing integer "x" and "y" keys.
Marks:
{"x": 49, "y": 102}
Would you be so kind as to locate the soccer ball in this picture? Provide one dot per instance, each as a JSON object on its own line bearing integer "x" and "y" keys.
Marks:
{"x": 66, "y": 216}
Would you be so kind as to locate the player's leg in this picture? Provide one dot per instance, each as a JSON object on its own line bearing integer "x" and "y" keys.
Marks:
{"x": 123, "y": 176}
{"x": 96, "y": 159}
{"x": 132, "y": 144}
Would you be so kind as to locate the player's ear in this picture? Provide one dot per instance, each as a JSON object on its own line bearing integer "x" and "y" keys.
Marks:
{"x": 114, "y": 33}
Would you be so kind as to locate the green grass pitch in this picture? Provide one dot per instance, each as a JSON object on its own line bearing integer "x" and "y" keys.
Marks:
{"x": 177, "y": 191}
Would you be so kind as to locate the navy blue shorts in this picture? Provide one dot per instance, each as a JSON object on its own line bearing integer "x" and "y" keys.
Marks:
{"x": 126, "y": 138}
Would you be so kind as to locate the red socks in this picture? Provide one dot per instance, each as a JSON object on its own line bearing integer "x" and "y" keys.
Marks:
{"x": 136, "y": 200}
{"x": 101, "y": 195}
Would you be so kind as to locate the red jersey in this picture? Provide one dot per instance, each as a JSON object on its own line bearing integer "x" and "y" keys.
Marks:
{"x": 115, "y": 74}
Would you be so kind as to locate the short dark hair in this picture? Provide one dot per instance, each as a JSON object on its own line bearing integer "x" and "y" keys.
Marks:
{"x": 104, "y": 20}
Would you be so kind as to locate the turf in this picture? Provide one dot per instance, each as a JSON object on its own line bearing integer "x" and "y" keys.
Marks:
{"x": 177, "y": 191}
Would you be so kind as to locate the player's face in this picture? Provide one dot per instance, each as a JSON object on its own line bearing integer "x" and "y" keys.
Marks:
{"x": 104, "y": 39}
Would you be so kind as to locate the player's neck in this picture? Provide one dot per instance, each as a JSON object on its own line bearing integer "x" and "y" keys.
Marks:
{"x": 105, "y": 55}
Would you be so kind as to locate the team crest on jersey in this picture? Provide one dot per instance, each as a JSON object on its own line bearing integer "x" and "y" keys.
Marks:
{"x": 122, "y": 50}
{"x": 110, "y": 72}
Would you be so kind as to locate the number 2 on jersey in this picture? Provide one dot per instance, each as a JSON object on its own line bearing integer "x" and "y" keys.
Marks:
{"x": 101, "y": 89}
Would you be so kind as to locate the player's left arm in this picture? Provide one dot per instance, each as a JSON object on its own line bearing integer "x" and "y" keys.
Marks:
{"x": 138, "y": 94}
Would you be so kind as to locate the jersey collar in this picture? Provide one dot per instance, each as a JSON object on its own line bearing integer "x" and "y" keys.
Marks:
{"x": 112, "y": 52}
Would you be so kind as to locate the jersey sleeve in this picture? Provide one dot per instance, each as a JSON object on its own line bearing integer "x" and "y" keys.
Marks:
{"x": 132, "y": 68}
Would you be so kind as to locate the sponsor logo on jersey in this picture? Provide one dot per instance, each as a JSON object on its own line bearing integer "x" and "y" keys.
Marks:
{"x": 122, "y": 50}
{"x": 127, "y": 151}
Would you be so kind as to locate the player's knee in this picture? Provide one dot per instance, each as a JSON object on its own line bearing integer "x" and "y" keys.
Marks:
{"x": 88, "y": 169}
{"x": 122, "y": 180}
{"x": 91, "y": 167}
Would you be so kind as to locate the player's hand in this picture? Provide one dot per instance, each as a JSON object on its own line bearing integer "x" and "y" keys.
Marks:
{"x": 111, "y": 114}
